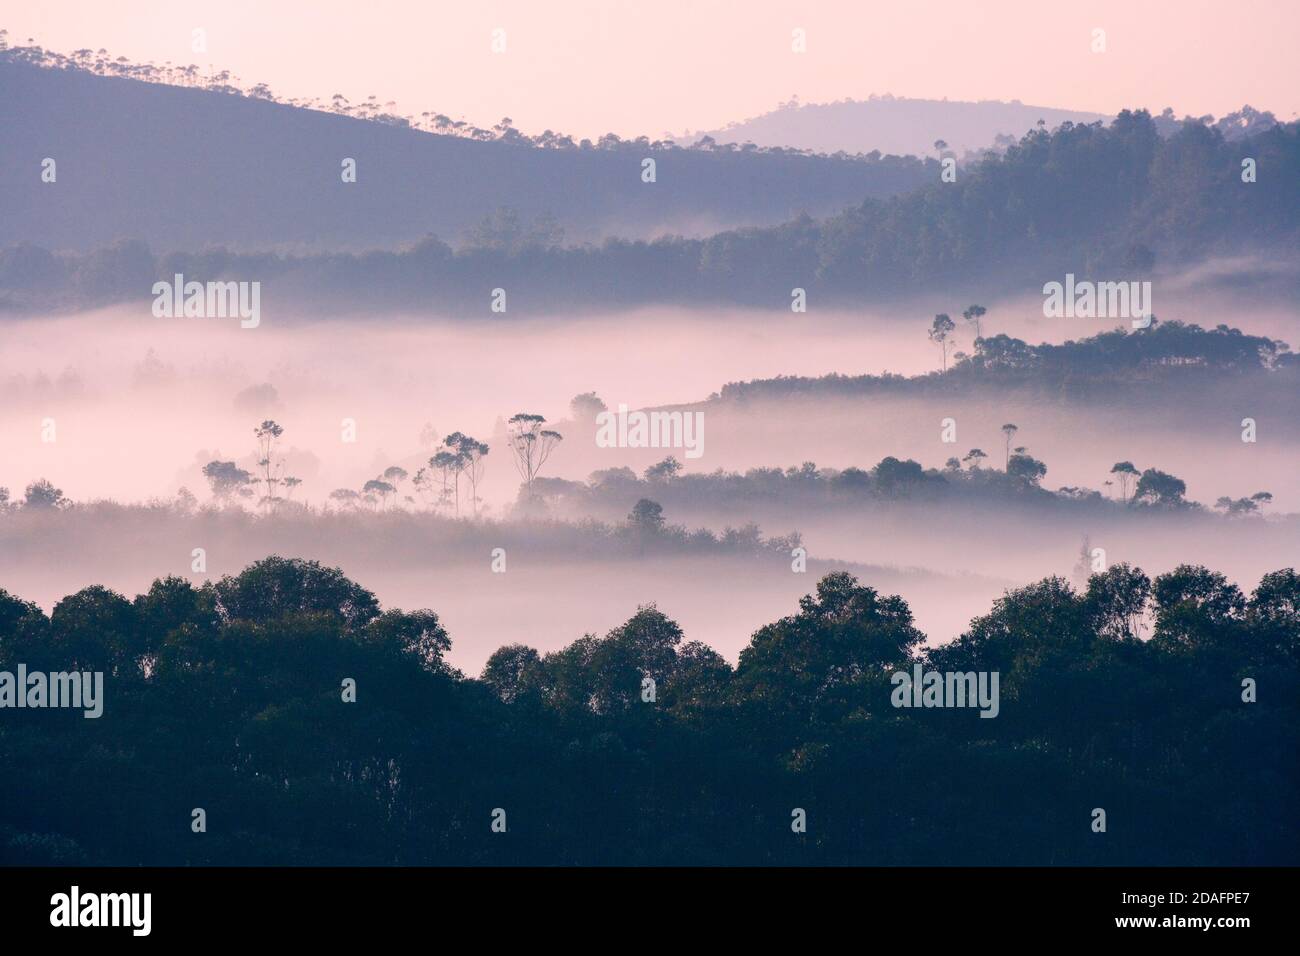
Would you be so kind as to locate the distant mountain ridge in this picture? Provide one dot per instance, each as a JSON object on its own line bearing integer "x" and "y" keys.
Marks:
{"x": 892, "y": 125}
{"x": 188, "y": 167}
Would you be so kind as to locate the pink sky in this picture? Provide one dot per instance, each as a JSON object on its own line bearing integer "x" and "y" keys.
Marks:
{"x": 592, "y": 66}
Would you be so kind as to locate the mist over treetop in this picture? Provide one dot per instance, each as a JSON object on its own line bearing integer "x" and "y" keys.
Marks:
{"x": 1090, "y": 200}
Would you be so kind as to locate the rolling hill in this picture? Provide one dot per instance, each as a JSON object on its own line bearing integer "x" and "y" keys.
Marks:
{"x": 188, "y": 167}
{"x": 891, "y": 125}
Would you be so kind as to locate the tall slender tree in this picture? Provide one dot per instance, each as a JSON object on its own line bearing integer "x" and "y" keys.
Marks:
{"x": 470, "y": 453}
{"x": 1009, "y": 430}
{"x": 1125, "y": 472}
{"x": 940, "y": 333}
{"x": 268, "y": 436}
{"x": 531, "y": 444}
{"x": 972, "y": 315}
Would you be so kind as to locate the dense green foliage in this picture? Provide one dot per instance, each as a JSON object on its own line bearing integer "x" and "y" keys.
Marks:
{"x": 227, "y": 697}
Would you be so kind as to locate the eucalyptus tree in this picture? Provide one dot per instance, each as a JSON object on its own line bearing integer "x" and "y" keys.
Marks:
{"x": 531, "y": 445}
{"x": 268, "y": 436}
{"x": 1009, "y": 430}
{"x": 1125, "y": 472}
{"x": 940, "y": 333}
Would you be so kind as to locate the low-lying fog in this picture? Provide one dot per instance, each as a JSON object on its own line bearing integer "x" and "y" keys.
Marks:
{"x": 139, "y": 404}
{"x": 136, "y": 405}
{"x": 543, "y": 599}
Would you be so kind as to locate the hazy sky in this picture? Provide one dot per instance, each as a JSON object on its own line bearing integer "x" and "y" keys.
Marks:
{"x": 669, "y": 65}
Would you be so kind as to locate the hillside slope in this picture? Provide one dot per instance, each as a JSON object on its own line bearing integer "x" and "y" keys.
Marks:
{"x": 1113, "y": 203}
{"x": 184, "y": 168}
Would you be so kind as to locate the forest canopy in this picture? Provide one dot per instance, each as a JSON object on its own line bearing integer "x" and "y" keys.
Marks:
{"x": 1126, "y": 695}
{"x": 1091, "y": 200}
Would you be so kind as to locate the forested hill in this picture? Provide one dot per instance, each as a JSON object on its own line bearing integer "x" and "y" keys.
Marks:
{"x": 1106, "y": 367}
{"x": 188, "y": 167}
{"x": 1106, "y": 203}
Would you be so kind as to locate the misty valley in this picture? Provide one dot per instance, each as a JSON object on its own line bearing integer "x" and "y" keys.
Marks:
{"x": 386, "y": 486}
{"x": 934, "y": 484}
